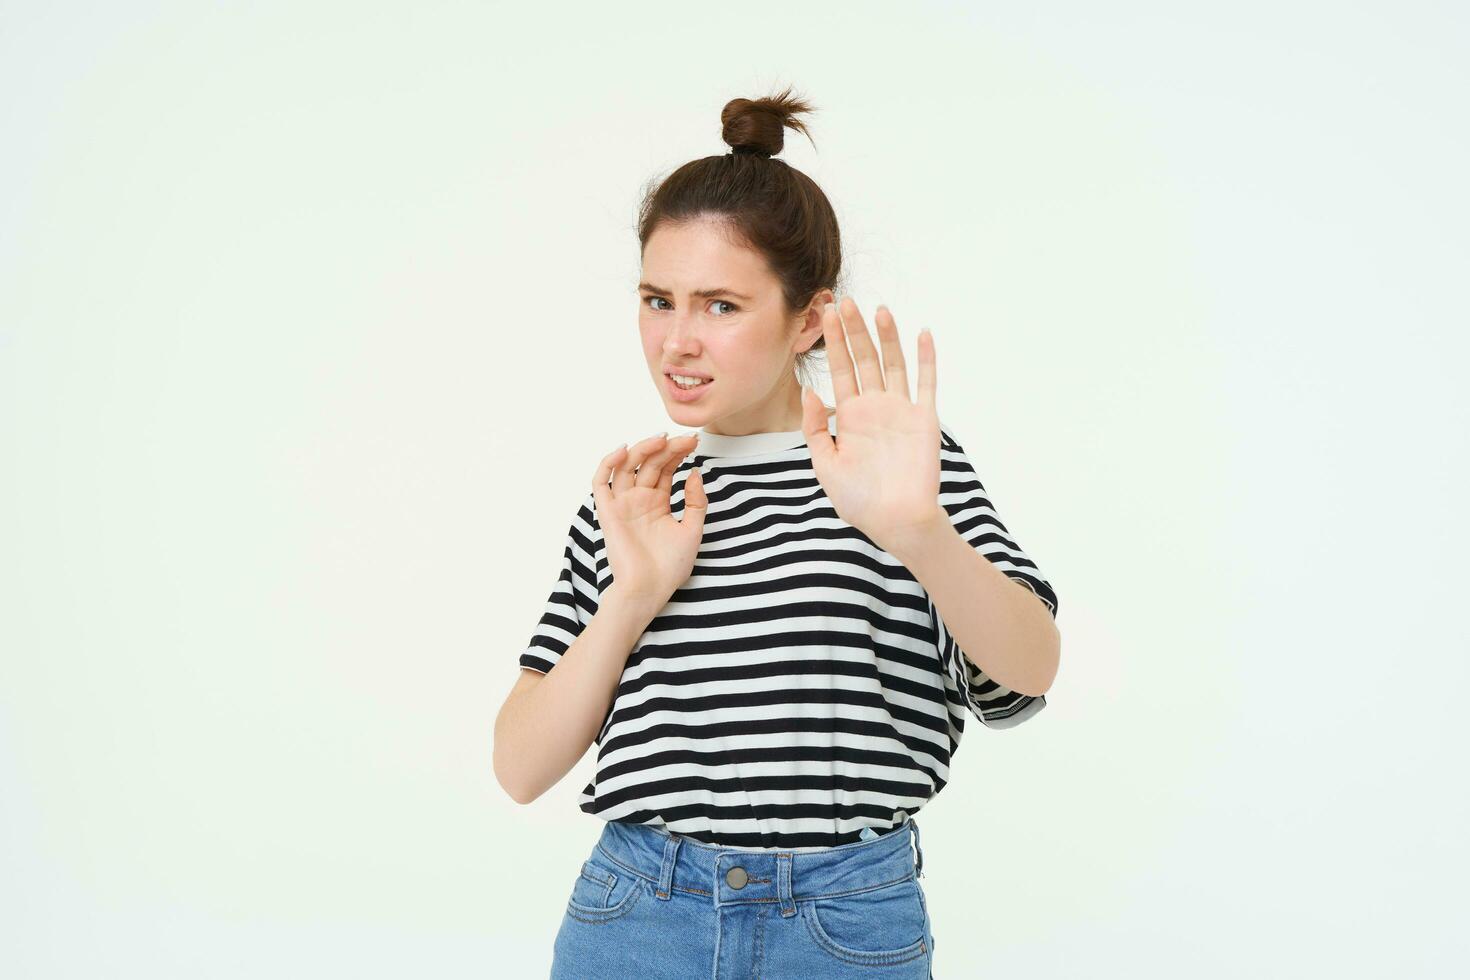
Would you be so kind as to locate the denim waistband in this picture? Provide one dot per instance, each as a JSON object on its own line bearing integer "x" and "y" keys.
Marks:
{"x": 676, "y": 863}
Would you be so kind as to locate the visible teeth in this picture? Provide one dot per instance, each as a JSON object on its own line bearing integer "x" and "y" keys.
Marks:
{"x": 688, "y": 382}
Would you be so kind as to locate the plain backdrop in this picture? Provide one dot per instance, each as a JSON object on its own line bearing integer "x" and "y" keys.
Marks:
{"x": 315, "y": 319}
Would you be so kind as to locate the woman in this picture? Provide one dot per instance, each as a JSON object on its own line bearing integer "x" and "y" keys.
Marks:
{"x": 771, "y": 627}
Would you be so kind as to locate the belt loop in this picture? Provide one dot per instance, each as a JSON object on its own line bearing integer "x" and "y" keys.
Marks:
{"x": 919, "y": 868}
{"x": 666, "y": 872}
{"x": 783, "y": 885}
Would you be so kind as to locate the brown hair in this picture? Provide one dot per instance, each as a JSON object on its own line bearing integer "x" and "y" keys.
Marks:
{"x": 768, "y": 204}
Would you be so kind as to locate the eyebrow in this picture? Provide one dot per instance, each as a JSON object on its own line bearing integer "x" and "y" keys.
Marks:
{"x": 649, "y": 287}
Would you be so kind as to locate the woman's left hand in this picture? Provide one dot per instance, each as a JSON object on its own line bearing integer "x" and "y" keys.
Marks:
{"x": 881, "y": 472}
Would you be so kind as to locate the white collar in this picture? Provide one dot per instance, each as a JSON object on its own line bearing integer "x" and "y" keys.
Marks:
{"x": 756, "y": 443}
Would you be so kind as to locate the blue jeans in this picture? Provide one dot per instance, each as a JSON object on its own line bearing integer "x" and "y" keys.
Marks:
{"x": 650, "y": 904}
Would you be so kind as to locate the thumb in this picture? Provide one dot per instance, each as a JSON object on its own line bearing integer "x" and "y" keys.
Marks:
{"x": 814, "y": 426}
{"x": 696, "y": 504}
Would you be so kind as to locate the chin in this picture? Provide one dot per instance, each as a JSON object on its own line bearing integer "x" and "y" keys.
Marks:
{"x": 692, "y": 415}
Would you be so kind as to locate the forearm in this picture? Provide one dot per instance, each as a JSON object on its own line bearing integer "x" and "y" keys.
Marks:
{"x": 541, "y": 733}
{"x": 999, "y": 623}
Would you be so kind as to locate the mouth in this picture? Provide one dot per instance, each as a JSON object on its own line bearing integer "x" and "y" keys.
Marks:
{"x": 685, "y": 393}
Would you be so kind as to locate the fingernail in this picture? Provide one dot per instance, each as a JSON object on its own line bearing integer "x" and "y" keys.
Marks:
{"x": 830, "y": 307}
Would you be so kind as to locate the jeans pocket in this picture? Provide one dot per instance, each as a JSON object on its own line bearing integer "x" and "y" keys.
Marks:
{"x": 878, "y": 927}
{"x": 601, "y": 894}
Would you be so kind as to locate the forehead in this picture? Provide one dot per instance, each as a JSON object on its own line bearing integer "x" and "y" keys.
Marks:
{"x": 695, "y": 254}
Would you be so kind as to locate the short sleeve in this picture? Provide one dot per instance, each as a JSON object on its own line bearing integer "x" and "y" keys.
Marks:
{"x": 574, "y": 596}
{"x": 964, "y": 499}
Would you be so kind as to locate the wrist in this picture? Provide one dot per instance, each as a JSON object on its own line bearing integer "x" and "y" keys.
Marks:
{"x": 641, "y": 606}
{"x": 918, "y": 538}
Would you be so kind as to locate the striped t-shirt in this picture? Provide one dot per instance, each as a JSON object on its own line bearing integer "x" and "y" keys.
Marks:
{"x": 799, "y": 686}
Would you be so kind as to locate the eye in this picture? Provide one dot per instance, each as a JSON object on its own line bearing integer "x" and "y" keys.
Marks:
{"x": 728, "y": 303}
{"x": 656, "y": 299}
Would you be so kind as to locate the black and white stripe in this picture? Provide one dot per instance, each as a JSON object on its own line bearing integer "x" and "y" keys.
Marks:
{"x": 800, "y": 685}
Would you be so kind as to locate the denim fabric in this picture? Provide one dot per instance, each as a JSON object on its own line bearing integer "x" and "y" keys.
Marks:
{"x": 650, "y": 904}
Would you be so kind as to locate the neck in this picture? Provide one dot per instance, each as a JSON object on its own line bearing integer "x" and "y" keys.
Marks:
{"x": 781, "y": 414}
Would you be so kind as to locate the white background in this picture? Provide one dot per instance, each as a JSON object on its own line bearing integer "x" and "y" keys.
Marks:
{"x": 315, "y": 319}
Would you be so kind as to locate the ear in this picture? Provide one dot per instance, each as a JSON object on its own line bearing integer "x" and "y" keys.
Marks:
{"x": 811, "y": 329}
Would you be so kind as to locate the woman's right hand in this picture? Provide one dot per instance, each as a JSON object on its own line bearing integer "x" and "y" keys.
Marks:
{"x": 650, "y": 552}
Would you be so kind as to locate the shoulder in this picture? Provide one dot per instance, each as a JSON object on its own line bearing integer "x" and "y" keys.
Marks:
{"x": 584, "y": 520}
{"x": 948, "y": 442}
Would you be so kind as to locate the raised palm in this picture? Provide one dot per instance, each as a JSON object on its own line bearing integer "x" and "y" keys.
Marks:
{"x": 881, "y": 472}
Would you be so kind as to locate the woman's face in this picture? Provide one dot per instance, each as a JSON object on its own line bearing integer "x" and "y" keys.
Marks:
{"x": 712, "y": 308}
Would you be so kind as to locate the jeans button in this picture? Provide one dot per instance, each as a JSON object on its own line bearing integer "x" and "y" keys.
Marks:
{"x": 736, "y": 877}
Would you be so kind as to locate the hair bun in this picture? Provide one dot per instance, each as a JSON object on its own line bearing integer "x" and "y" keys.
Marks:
{"x": 758, "y": 126}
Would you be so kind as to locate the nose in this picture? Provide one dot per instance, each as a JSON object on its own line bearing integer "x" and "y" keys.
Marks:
{"x": 681, "y": 337}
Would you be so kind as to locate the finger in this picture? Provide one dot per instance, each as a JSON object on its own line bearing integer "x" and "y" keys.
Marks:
{"x": 696, "y": 504}
{"x": 839, "y": 362}
{"x": 895, "y": 368}
{"x": 651, "y": 473}
{"x": 605, "y": 467}
{"x": 870, "y": 372}
{"x": 928, "y": 373}
{"x": 601, "y": 494}
{"x": 814, "y": 426}
{"x": 623, "y": 473}
{"x": 685, "y": 445}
